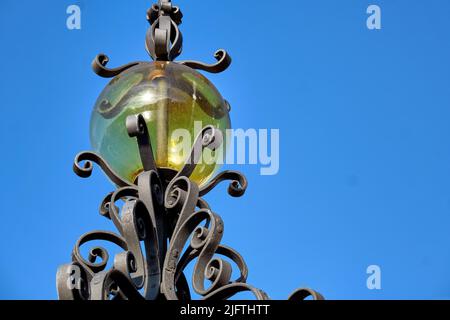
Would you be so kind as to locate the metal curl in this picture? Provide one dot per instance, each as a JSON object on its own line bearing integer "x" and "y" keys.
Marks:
{"x": 175, "y": 198}
{"x": 199, "y": 237}
{"x": 223, "y": 62}
{"x": 191, "y": 254}
{"x": 137, "y": 127}
{"x": 180, "y": 200}
{"x": 104, "y": 206}
{"x": 91, "y": 262}
{"x": 219, "y": 272}
{"x": 232, "y": 289}
{"x": 302, "y": 294}
{"x": 137, "y": 226}
{"x": 153, "y": 13}
{"x": 90, "y": 265}
{"x": 72, "y": 282}
{"x": 113, "y": 212}
{"x": 164, "y": 40}
{"x": 125, "y": 262}
{"x": 98, "y": 253}
{"x": 234, "y": 256}
{"x": 114, "y": 283}
{"x": 99, "y": 66}
{"x": 211, "y": 138}
{"x": 86, "y": 170}
{"x": 237, "y": 187}
{"x": 181, "y": 196}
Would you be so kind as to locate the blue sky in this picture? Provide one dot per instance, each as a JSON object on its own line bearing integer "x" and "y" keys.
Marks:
{"x": 364, "y": 126}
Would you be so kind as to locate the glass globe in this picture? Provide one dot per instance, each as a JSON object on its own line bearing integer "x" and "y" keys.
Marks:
{"x": 170, "y": 96}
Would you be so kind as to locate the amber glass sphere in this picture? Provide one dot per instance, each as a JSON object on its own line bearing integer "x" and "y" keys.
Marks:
{"x": 170, "y": 96}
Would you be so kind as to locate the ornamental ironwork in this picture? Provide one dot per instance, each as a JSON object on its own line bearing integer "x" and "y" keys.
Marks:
{"x": 164, "y": 223}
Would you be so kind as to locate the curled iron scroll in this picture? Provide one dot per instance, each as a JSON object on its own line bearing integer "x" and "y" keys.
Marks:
{"x": 237, "y": 186}
{"x": 225, "y": 251}
{"x": 204, "y": 240}
{"x": 211, "y": 138}
{"x": 99, "y": 66}
{"x": 302, "y": 294}
{"x": 232, "y": 289}
{"x": 86, "y": 170}
{"x": 137, "y": 127}
{"x": 223, "y": 62}
{"x": 106, "y": 285}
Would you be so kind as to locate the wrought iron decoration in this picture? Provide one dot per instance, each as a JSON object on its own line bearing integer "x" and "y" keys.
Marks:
{"x": 163, "y": 209}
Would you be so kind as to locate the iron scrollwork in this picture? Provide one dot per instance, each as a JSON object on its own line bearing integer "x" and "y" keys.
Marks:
{"x": 164, "y": 224}
{"x": 158, "y": 211}
{"x": 164, "y": 42}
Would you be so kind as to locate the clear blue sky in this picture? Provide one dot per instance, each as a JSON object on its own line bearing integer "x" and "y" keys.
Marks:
{"x": 364, "y": 123}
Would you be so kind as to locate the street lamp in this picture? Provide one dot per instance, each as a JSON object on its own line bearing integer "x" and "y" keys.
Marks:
{"x": 164, "y": 223}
